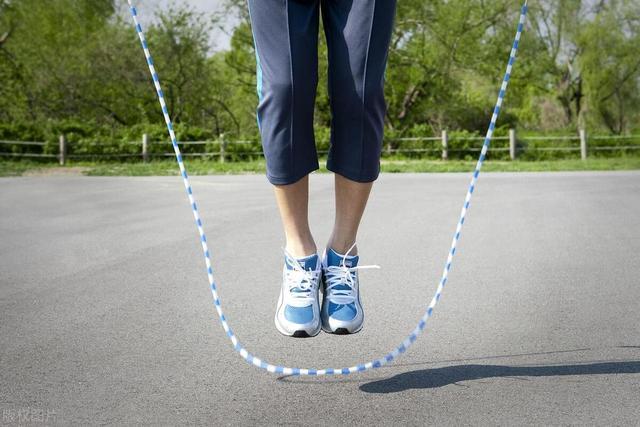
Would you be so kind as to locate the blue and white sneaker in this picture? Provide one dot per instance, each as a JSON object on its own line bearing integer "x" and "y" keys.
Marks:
{"x": 341, "y": 311}
{"x": 298, "y": 311}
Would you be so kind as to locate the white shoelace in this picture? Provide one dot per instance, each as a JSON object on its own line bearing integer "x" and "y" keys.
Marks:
{"x": 342, "y": 275}
{"x": 303, "y": 281}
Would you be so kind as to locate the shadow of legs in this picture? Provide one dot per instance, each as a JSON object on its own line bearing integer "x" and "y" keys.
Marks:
{"x": 439, "y": 377}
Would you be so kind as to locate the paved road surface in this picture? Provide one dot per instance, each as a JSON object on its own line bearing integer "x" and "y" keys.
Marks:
{"x": 106, "y": 316}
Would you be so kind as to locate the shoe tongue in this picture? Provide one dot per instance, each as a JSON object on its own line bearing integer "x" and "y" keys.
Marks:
{"x": 307, "y": 263}
{"x": 335, "y": 259}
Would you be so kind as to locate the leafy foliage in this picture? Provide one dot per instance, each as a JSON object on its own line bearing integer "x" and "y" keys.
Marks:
{"x": 75, "y": 66}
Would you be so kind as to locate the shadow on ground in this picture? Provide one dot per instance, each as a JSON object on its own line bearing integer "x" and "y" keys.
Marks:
{"x": 439, "y": 377}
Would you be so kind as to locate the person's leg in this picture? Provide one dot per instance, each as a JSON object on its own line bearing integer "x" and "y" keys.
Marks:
{"x": 358, "y": 35}
{"x": 351, "y": 200}
{"x": 285, "y": 34}
{"x": 293, "y": 203}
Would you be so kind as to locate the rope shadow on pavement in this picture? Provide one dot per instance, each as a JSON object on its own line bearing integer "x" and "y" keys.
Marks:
{"x": 294, "y": 378}
{"x": 440, "y": 377}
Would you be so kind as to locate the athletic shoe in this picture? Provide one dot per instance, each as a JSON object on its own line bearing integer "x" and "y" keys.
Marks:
{"x": 341, "y": 311}
{"x": 298, "y": 311}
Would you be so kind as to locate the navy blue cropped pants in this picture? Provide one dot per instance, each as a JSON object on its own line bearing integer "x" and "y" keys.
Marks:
{"x": 285, "y": 35}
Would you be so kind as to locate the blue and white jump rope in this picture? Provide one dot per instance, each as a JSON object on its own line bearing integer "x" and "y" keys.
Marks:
{"x": 411, "y": 338}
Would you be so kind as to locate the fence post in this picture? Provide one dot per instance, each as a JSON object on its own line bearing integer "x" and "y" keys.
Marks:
{"x": 145, "y": 147}
{"x": 223, "y": 147}
{"x": 512, "y": 144}
{"x": 62, "y": 150}
{"x": 445, "y": 145}
{"x": 583, "y": 144}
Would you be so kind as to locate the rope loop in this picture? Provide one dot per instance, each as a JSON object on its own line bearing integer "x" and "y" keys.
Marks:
{"x": 411, "y": 338}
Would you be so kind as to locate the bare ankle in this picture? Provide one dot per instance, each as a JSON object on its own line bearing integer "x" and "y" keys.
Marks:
{"x": 301, "y": 249}
{"x": 342, "y": 246}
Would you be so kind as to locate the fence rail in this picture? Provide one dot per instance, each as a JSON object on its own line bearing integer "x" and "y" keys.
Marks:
{"x": 442, "y": 146}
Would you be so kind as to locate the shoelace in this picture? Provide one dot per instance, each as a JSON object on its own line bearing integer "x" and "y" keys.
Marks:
{"x": 301, "y": 282}
{"x": 342, "y": 275}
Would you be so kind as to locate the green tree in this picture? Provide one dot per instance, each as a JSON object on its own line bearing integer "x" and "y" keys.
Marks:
{"x": 180, "y": 42}
{"x": 610, "y": 63}
{"x": 78, "y": 63}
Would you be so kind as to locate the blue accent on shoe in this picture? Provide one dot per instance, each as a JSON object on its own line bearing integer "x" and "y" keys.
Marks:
{"x": 298, "y": 315}
{"x": 343, "y": 312}
{"x": 335, "y": 259}
{"x": 308, "y": 263}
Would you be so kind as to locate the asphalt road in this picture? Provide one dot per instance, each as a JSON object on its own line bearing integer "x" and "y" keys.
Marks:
{"x": 106, "y": 316}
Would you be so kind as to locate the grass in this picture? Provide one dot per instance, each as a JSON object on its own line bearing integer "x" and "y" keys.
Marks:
{"x": 593, "y": 164}
{"x": 18, "y": 167}
{"x": 204, "y": 167}
{"x": 169, "y": 167}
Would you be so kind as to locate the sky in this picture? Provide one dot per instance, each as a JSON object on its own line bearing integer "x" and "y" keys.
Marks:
{"x": 218, "y": 41}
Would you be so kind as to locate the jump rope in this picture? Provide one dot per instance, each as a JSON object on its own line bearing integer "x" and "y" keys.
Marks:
{"x": 413, "y": 336}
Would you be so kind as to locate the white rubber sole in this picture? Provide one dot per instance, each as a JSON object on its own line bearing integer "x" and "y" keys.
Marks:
{"x": 342, "y": 330}
{"x": 298, "y": 333}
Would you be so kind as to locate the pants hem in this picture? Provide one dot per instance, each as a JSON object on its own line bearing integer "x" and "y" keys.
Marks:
{"x": 292, "y": 179}
{"x": 353, "y": 175}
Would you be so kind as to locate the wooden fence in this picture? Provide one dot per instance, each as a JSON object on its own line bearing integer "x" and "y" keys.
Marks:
{"x": 440, "y": 146}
